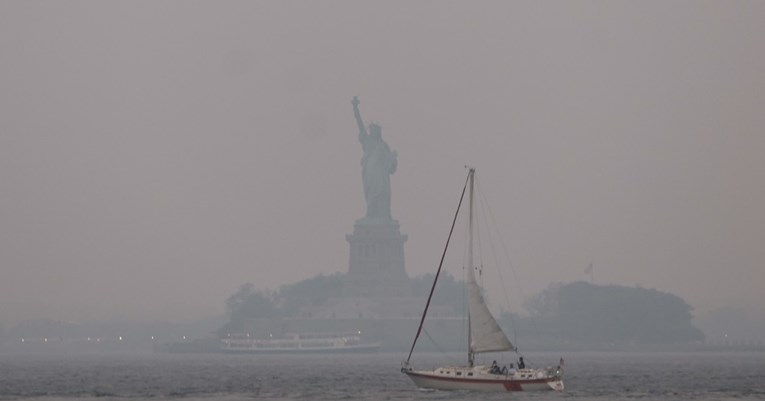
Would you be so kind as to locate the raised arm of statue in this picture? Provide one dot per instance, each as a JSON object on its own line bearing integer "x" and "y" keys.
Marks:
{"x": 362, "y": 129}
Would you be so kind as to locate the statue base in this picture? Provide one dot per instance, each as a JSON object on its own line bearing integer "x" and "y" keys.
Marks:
{"x": 376, "y": 265}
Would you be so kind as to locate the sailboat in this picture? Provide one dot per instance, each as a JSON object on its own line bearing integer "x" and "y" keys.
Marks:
{"x": 484, "y": 335}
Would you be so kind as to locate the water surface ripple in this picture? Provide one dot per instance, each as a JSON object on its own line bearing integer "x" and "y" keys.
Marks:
{"x": 589, "y": 376}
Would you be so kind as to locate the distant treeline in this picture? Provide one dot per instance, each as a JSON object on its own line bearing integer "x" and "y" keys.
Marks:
{"x": 250, "y": 303}
{"x": 586, "y": 313}
{"x": 573, "y": 313}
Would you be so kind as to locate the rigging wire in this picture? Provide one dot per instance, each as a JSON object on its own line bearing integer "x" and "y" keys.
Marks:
{"x": 464, "y": 309}
{"x": 438, "y": 347}
{"x": 487, "y": 211}
{"x": 438, "y": 272}
{"x": 477, "y": 221}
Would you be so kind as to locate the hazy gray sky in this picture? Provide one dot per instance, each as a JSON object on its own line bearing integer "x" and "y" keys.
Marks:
{"x": 154, "y": 155}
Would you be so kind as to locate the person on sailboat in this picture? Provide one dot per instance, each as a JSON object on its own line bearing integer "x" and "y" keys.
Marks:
{"x": 494, "y": 368}
{"x": 521, "y": 364}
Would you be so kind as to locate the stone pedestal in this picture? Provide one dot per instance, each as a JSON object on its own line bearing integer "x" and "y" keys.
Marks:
{"x": 376, "y": 265}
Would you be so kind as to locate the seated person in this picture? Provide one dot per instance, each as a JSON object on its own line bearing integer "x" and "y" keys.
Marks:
{"x": 494, "y": 368}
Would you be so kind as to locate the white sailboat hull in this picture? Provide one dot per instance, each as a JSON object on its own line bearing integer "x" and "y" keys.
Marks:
{"x": 480, "y": 380}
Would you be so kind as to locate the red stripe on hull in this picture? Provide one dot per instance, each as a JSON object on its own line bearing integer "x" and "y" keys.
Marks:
{"x": 512, "y": 386}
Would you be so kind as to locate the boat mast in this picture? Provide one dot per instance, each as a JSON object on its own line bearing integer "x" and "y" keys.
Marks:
{"x": 471, "y": 174}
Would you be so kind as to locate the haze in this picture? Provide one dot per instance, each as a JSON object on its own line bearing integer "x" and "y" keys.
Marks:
{"x": 157, "y": 155}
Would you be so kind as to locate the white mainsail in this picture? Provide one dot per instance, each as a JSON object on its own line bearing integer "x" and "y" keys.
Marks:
{"x": 485, "y": 333}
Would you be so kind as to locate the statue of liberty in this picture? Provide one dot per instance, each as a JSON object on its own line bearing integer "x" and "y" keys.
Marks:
{"x": 378, "y": 163}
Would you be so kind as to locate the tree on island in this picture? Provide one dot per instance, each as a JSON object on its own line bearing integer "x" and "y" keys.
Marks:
{"x": 316, "y": 290}
{"x": 249, "y": 303}
{"x": 586, "y": 313}
{"x": 448, "y": 292}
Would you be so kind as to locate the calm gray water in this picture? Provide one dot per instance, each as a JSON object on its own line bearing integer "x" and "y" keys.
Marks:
{"x": 589, "y": 376}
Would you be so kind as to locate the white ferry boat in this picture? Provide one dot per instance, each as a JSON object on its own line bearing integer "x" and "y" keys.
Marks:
{"x": 299, "y": 343}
